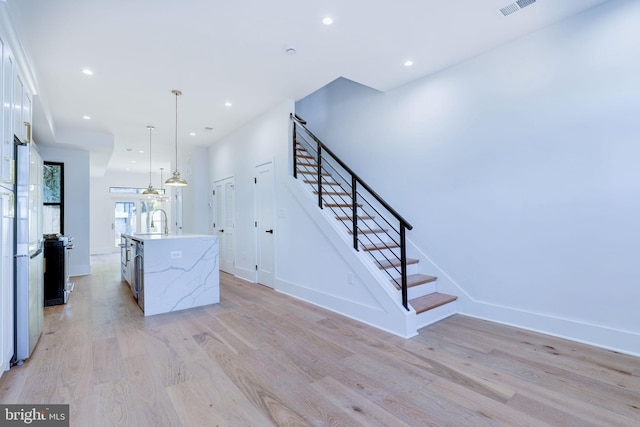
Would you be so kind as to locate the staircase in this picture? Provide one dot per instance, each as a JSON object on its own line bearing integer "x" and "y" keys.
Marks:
{"x": 373, "y": 226}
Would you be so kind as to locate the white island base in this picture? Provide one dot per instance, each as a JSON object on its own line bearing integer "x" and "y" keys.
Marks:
{"x": 180, "y": 271}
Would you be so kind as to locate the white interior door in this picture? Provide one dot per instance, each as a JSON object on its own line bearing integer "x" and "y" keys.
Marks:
{"x": 265, "y": 230}
{"x": 224, "y": 222}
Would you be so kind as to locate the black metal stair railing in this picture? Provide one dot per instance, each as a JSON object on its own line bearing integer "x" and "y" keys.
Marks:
{"x": 374, "y": 225}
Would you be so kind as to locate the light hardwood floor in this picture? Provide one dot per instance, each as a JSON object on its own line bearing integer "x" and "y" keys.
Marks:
{"x": 260, "y": 358}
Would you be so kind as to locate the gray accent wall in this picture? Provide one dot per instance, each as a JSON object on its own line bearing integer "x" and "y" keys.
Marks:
{"x": 519, "y": 170}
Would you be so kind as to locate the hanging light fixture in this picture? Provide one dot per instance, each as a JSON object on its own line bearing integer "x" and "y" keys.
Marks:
{"x": 175, "y": 180}
{"x": 150, "y": 191}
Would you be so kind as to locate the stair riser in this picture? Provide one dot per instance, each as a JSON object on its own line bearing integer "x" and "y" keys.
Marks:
{"x": 385, "y": 254}
{"x": 434, "y": 315}
{"x": 422, "y": 290}
{"x": 411, "y": 269}
{"x": 370, "y": 239}
{"x": 362, "y": 223}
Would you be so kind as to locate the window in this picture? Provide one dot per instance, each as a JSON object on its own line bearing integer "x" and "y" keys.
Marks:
{"x": 53, "y": 197}
{"x": 132, "y": 190}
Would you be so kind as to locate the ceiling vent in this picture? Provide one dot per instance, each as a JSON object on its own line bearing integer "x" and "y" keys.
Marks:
{"x": 514, "y": 7}
{"x": 525, "y": 3}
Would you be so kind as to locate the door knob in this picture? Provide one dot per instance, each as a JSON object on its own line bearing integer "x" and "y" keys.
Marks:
{"x": 269, "y": 231}
{"x": 220, "y": 231}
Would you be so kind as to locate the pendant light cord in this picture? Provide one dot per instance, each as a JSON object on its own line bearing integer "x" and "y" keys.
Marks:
{"x": 150, "y": 129}
{"x": 177, "y": 93}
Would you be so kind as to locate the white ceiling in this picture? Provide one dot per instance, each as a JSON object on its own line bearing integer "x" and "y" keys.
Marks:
{"x": 218, "y": 51}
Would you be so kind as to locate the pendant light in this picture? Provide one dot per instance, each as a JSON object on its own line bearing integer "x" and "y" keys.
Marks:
{"x": 175, "y": 180}
{"x": 150, "y": 192}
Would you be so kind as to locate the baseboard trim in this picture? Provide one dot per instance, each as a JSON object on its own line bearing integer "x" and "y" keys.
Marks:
{"x": 620, "y": 341}
{"x": 375, "y": 317}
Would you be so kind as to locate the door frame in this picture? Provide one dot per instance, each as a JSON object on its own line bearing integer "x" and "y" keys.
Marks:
{"x": 269, "y": 280}
{"x": 215, "y": 223}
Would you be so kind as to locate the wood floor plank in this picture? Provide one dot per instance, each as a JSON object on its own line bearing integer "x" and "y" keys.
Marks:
{"x": 260, "y": 358}
{"x": 560, "y": 353}
{"x": 364, "y": 411}
{"x": 497, "y": 412}
{"x": 259, "y": 394}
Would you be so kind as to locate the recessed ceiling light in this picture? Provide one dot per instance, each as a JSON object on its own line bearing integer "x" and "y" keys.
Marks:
{"x": 290, "y": 50}
{"x": 327, "y": 20}
{"x": 192, "y": 134}
{"x": 228, "y": 104}
{"x": 141, "y": 151}
{"x": 133, "y": 161}
{"x": 408, "y": 63}
{"x": 88, "y": 72}
{"x": 86, "y": 117}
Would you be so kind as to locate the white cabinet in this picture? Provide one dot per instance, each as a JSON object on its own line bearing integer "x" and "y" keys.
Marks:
{"x": 21, "y": 109}
{"x": 127, "y": 252}
{"x": 15, "y": 110}
{"x": 7, "y": 172}
{"x": 6, "y": 275}
{"x": 6, "y": 208}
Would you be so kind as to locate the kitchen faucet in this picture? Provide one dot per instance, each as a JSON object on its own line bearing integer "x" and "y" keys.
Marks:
{"x": 166, "y": 221}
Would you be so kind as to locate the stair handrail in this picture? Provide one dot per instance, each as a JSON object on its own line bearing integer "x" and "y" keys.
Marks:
{"x": 404, "y": 224}
{"x": 380, "y": 200}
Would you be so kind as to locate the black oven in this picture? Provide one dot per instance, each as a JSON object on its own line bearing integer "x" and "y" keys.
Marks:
{"x": 57, "y": 286}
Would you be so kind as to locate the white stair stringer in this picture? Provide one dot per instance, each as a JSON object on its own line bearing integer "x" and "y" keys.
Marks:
{"x": 375, "y": 237}
{"x": 392, "y": 316}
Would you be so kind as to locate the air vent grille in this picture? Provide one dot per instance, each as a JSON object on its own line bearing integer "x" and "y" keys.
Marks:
{"x": 509, "y": 9}
{"x": 525, "y": 3}
{"x": 514, "y": 7}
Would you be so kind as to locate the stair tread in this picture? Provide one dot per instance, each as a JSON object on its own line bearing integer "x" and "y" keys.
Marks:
{"x": 340, "y": 205}
{"x": 307, "y": 172}
{"x": 307, "y": 181}
{"x": 379, "y": 246}
{"x": 431, "y": 301}
{"x": 333, "y": 193}
{"x": 350, "y": 218}
{"x": 396, "y": 263}
{"x": 414, "y": 280}
{"x": 373, "y": 231}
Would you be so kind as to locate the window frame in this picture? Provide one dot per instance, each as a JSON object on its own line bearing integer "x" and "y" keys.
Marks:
{"x": 61, "y": 203}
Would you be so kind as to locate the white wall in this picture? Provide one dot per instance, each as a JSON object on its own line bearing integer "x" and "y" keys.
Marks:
{"x": 312, "y": 262}
{"x": 197, "y": 195}
{"x": 76, "y": 202}
{"x": 263, "y": 140}
{"x": 518, "y": 170}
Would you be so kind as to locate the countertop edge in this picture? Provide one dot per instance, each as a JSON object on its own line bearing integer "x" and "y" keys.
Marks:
{"x": 152, "y": 237}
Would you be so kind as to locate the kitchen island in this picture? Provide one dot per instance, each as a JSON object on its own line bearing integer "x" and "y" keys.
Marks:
{"x": 170, "y": 272}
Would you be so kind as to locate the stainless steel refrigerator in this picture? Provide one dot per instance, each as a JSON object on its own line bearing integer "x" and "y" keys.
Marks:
{"x": 29, "y": 258}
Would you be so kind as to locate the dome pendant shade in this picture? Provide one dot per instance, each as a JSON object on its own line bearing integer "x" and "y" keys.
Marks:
{"x": 150, "y": 191}
{"x": 175, "y": 180}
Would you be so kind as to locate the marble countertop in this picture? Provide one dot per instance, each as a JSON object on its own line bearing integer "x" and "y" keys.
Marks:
{"x": 162, "y": 236}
